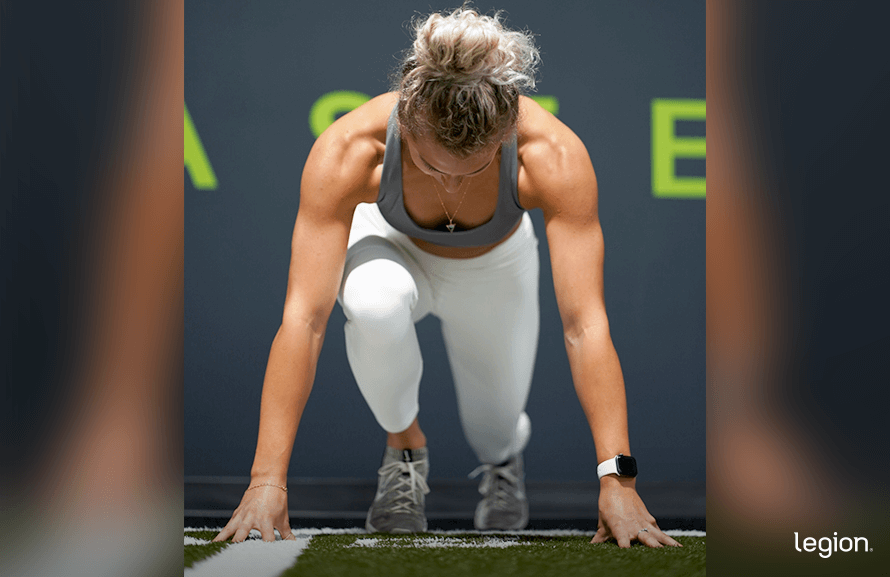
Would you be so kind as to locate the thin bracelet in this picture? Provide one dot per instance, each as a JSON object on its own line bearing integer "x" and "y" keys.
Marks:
{"x": 266, "y": 485}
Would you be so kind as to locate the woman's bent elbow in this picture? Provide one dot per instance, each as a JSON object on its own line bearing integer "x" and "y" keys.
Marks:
{"x": 315, "y": 322}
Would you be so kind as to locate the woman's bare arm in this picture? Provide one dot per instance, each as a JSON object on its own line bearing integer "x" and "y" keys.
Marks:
{"x": 561, "y": 181}
{"x": 338, "y": 175}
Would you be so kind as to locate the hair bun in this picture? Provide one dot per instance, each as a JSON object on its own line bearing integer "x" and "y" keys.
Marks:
{"x": 467, "y": 48}
{"x": 461, "y": 79}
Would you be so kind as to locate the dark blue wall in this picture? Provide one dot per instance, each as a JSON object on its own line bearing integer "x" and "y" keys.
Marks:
{"x": 252, "y": 72}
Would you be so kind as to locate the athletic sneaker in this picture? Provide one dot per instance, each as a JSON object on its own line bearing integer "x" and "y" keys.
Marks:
{"x": 504, "y": 505}
{"x": 398, "y": 506}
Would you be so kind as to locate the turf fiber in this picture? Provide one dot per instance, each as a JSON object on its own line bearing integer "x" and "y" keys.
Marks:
{"x": 435, "y": 555}
{"x": 195, "y": 553}
{"x": 330, "y": 555}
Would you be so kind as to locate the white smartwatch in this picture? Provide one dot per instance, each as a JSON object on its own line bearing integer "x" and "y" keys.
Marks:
{"x": 618, "y": 465}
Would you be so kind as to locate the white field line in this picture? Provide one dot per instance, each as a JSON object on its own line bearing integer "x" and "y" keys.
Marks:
{"x": 438, "y": 542}
{"x": 253, "y": 557}
{"x": 308, "y": 532}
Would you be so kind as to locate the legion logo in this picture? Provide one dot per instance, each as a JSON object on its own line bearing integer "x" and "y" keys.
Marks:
{"x": 828, "y": 545}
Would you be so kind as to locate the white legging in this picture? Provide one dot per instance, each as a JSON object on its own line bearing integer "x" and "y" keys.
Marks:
{"x": 488, "y": 307}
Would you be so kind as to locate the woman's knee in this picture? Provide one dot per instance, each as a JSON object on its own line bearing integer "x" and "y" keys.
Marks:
{"x": 380, "y": 293}
{"x": 495, "y": 440}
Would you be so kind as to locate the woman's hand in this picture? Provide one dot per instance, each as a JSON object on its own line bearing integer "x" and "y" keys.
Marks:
{"x": 263, "y": 508}
{"x": 624, "y": 518}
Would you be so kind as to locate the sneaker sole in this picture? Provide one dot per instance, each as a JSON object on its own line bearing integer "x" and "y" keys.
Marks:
{"x": 371, "y": 529}
{"x": 518, "y": 526}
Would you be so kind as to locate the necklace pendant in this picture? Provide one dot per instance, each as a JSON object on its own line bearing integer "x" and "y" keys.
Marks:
{"x": 450, "y": 227}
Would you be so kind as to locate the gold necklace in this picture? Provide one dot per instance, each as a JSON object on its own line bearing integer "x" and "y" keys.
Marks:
{"x": 450, "y": 226}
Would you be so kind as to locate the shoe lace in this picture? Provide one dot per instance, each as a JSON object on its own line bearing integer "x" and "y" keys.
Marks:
{"x": 499, "y": 483}
{"x": 409, "y": 485}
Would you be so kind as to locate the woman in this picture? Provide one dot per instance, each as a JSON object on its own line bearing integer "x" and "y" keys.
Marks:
{"x": 415, "y": 204}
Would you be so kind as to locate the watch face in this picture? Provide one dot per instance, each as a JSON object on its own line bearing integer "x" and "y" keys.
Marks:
{"x": 627, "y": 466}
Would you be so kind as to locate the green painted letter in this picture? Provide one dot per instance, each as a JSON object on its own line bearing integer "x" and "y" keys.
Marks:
{"x": 667, "y": 146}
{"x": 548, "y": 103}
{"x": 325, "y": 110}
{"x": 196, "y": 160}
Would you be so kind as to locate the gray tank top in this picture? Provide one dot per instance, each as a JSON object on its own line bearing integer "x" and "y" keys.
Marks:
{"x": 392, "y": 206}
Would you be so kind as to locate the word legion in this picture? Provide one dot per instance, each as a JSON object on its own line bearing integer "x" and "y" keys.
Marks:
{"x": 827, "y": 546}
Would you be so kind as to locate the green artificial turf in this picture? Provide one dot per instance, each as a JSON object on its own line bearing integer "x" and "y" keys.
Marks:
{"x": 395, "y": 556}
{"x": 195, "y": 553}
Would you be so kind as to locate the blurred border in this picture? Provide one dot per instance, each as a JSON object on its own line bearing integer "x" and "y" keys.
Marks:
{"x": 91, "y": 304}
{"x": 797, "y": 284}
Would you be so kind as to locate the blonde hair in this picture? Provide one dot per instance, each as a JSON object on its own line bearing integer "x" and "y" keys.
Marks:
{"x": 461, "y": 79}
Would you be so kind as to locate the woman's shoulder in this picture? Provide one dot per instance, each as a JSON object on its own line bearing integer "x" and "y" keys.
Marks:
{"x": 370, "y": 117}
{"x": 347, "y": 154}
{"x": 542, "y": 138}
{"x": 552, "y": 158}
{"x": 362, "y": 127}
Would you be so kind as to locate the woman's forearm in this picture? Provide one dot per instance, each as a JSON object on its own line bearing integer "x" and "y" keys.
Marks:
{"x": 599, "y": 384}
{"x": 289, "y": 375}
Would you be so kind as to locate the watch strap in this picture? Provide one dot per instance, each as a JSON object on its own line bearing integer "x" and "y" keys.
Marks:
{"x": 607, "y": 467}
{"x": 621, "y": 465}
